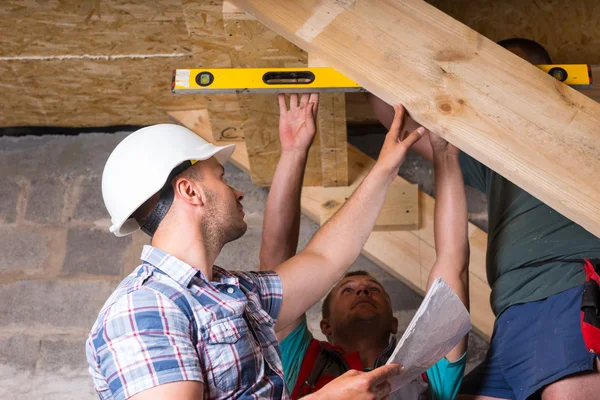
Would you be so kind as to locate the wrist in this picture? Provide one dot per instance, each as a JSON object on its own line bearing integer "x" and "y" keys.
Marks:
{"x": 295, "y": 153}
{"x": 445, "y": 157}
{"x": 384, "y": 171}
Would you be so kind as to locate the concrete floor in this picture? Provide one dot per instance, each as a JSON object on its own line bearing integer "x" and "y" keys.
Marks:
{"x": 58, "y": 263}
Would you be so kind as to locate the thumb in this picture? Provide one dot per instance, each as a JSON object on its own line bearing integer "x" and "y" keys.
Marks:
{"x": 414, "y": 137}
{"x": 384, "y": 373}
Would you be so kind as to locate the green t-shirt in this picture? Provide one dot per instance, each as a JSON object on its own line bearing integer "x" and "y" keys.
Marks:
{"x": 444, "y": 378}
{"x": 524, "y": 231}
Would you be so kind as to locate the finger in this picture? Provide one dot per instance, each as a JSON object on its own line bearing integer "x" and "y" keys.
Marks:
{"x": 382, "y": 390}
{"x": 293, "y": 100}
{"x": 382, "y": 374}
{"x": 314, "y": 98}
{"x": 397, "y": 121}
{"x": 414, "y": 137}
{"x": 282, "y": 105}
{"x": 304, "y": 100}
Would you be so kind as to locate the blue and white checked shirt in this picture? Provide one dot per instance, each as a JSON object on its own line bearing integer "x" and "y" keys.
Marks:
{"x": 166, "y": 322}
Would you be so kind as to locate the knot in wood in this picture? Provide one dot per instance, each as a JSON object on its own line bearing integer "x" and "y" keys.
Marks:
{"x": 330, "y": 204}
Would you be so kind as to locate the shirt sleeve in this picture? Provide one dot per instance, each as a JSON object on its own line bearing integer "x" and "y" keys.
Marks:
{"x": 445, "y": 378}
{"x": 145, "y": 341}
{"x": 475, "y": 174}
{"x": 293, "y": 349}
{"x": 268, "y": 286}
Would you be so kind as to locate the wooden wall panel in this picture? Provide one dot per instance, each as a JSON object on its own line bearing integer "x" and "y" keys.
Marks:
{"x": 253, "y": 45}
{"x": 86, "y": 92}
{"x": 55, "y": 28}
{"x": 211, "y": 49}
{"x": 73, "y": 63}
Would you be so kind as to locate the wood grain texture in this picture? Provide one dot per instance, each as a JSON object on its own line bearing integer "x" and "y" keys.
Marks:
{"x": 76, "y": 92}
{"x": 506, "y": 113}
{"x": 331, "y": 129}
{"x": 332, "y": 132}
{"x": 211, "y": 49}
{"x": 407, "y": 255}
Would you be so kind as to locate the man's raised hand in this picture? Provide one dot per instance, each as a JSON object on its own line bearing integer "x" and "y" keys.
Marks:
{"x": 297, "y": 126}
{"x": 395, "y": 147}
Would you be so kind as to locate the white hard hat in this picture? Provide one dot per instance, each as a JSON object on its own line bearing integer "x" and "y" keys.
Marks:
{"x": 139, "y": 167}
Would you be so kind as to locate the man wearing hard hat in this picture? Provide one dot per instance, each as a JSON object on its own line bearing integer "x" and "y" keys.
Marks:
{"x": 180, "y": 327}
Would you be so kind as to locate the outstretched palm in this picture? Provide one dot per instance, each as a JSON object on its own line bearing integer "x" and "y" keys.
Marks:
{"x": 297, "y": 125}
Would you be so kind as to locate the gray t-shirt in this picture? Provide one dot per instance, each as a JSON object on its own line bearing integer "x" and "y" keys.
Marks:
{"x": 524, "y": 232}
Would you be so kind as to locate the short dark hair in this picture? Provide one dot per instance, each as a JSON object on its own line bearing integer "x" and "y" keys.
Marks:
{"x": 536, "y": 53}
{"x": 327, "y": 301}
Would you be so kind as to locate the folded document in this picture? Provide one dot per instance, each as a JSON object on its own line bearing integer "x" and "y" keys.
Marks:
{"x": 439, "y": 324}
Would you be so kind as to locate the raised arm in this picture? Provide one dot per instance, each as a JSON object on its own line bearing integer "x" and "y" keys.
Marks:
{"x": 307, "y": 276}
{"x": 281, "y": 223}
{"x": 450, "y": 226}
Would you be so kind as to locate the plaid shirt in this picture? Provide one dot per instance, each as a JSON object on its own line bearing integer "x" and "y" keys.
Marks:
{"x": 166, "y": 322}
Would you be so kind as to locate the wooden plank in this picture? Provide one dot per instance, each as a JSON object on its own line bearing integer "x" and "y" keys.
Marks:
{"x": 253, "y": 45}
{"x": 407, "y": 255}
{"x": 537, "y": 132}
{"x": 331, "y": 128}
{"x": 209, "y": 44}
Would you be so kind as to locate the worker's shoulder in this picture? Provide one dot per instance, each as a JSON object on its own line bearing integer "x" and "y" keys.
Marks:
{"x": 143, "y": 291}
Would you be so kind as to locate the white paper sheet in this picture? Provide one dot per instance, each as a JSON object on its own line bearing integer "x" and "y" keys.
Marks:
{"x": 439, "y": 324}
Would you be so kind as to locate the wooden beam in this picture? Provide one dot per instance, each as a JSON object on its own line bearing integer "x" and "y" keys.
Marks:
{"x": 331, "y": 129}
{"x": 407, "y": 255}
{"x": 519, "y": 121}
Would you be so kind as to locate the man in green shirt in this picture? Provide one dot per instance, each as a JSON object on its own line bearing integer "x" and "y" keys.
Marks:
{"x": 535, "y": 269}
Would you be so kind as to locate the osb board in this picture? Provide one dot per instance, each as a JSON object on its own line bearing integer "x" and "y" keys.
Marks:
{"x": 91, "y": 63}
{"x": 210, "y": 47}
{"x": 570, "y": 30}
{"x": 90, "y": 92}
{"x": 90, "y": 27}
{"x": 253, "y": 45}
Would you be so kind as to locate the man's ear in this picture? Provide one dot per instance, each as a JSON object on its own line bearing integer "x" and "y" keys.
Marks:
{"x": 394, "y": 325}
{"x": 325, "y": 328}
{"x": 189, "y": 191}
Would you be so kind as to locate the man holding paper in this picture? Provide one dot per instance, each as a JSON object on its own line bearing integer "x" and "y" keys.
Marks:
{"x": 357, "y": 314}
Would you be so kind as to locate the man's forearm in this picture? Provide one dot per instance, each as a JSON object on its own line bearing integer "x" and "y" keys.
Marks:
{"x": 281, "y": 222}
{"x": 450, "y": 218}
{"x": 341, "y": 239}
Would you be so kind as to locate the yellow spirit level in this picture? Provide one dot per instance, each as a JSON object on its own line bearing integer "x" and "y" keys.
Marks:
{"x": 301, "y": 80}
{"x": 577, "y": 75}
{"x": 261, "y": 80}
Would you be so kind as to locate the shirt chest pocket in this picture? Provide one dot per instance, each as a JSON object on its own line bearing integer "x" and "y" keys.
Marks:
{"x": 232, "y": 354}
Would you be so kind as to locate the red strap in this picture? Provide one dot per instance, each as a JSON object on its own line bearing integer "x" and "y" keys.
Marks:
{"x": 590, "y": 271}
{"x": 310, "y": 358}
